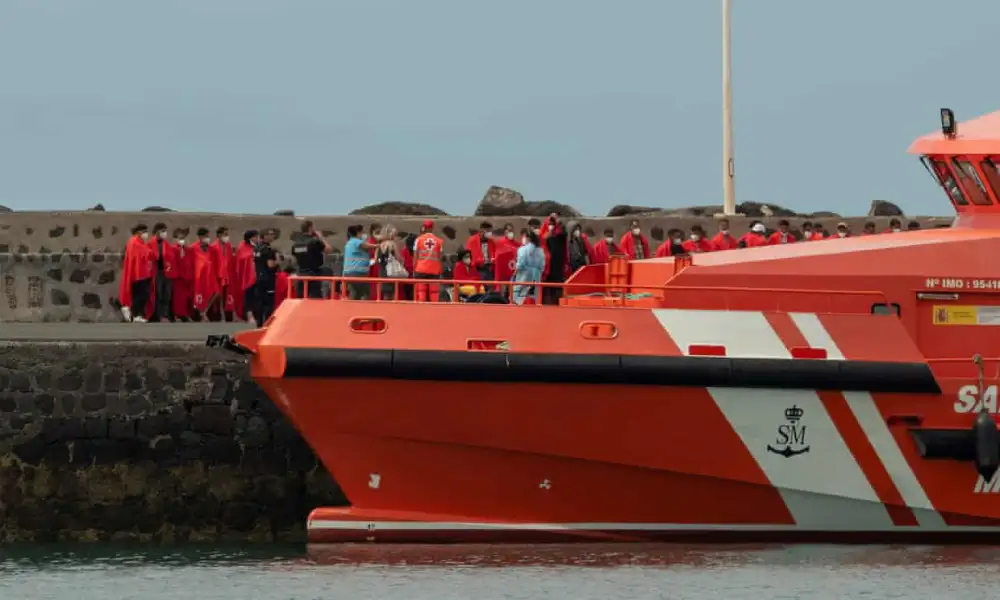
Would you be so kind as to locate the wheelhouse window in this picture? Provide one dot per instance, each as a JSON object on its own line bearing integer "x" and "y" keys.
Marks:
{"x": 885, "y": 309}
{"x": 992, "y": 173}
{"x": 942, "y": 175}
{"x": 970, "y": 181}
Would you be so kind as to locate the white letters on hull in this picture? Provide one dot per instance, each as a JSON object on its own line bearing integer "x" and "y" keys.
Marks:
{"x": 968, "y": 399}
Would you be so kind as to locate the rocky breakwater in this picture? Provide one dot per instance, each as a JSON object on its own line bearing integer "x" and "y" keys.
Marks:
{"x": 105, "y": 439}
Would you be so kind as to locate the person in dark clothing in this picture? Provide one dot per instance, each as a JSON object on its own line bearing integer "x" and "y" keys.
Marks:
{"x": 260, "y": 258}
{"x": 556, "y": 244}
{"x": 579, "y": 248}
{"x": 310, "y": 250}
{"x": 163, "y": 286}
{"x": 409, "y": 243}
{"x": 264, "y": 287}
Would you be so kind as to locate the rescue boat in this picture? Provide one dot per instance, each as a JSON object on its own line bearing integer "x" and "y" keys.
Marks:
{"x": 829, "y": 391}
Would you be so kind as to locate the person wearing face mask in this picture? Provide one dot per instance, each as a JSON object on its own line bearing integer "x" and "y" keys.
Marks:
{"x": 895, "y": 226}
{"x": 555, "y": 245}
{"x": 634, "y": 243}
{"x": 137, "y": 276}
{"x": 505, "y": 259}
{"x": 673, "y": 245}
{"x": 529, "y": 266}
{"x": 428, "y": 249}
{"x": 535, "y": 226}
{"x": 180, "y": 298}
{"x": 869, "y": 228}
{"x": 206, "y": 283}
{"x": 580, "y": 252}
{"x": 842, "y": 230}
{"x": 164, "y": 274}
{"x": 483, "y": 250}
{"x": 757, "y": 236}
{"x": 782, "y": 235}
{"x": 724, "y": 240}
{"x": 605, "y": 248}
{"x": 465, "y": 270}
{"x": 221, "y": 254}
{"x": 697, "y": 241}
{"x": 812, "y": 232}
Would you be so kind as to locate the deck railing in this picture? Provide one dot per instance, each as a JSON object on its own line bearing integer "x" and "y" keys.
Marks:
{"x": 594, "y": 294}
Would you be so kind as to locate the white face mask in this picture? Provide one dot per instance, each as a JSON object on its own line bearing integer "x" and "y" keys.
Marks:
{"x": 537, "y": 230}
{"x": 487, "y": 234}
{"x": 695, "y": 237}
{"x": 609, "y": 240}
{"x": 163, "y": 234}
{"x": 576, "y": 233}
{"x": 510, "y": 235}
{"x": 467, "y": 260}
{"x": 678, "y": 240}
{"x": 724, "y": 231}
{"x": 144, "y": 235}
{"x": 225, "y": 239}
{"x": 206, "y": 240}
{"x": 182, "y": 242}
{"x": 636, "y": 231}
{"x": 841, "y": 234}
{"x": 896, "y": 229}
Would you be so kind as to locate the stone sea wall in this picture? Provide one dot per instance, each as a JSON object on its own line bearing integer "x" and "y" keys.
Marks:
{"x": 65, "y": 266}
{"x": 147, "y": 441}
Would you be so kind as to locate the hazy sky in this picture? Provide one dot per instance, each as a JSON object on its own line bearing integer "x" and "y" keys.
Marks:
{"x": 325, "y": 105}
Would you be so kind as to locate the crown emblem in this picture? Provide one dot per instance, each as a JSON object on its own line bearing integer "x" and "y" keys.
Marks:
{"x": 794, "y": 413}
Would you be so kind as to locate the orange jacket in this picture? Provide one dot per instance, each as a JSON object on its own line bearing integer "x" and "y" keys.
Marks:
{"x": 427, "y": 254}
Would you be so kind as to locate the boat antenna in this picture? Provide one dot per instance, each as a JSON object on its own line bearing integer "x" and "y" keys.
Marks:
{"x": 978, "y": 360}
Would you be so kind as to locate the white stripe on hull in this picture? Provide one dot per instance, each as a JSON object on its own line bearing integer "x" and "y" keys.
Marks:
{"x": 745, "y": 334}
{"x": 323, "y": 524}
{"x": 873, "y": 424}
{"x": 816, "y": 335}
{"x": 823, "y": 488}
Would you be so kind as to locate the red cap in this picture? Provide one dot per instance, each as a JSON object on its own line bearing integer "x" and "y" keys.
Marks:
{"x": 428, "y": 224}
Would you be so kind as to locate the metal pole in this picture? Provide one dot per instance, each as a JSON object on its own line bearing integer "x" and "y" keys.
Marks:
{"x": 728, "y": 163}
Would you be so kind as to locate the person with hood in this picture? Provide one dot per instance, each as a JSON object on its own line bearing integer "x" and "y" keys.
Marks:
{"x": 673, "y": 245}
{"x": 580, "y": 252}
{"x": 555, "y": 246}
{"x": 757, "y": 236}
{"x": 482, "y": 248}
{"x": 529, "y": 268}
{"x": 137, "y": 276}
{"x": 605, "y": 248}
{"x": 165, "y": 270}
{"x": 634, "y": 243}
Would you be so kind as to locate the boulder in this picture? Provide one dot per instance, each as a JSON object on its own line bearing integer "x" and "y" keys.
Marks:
{"x": 4, "y": 209}
{"x": 884, "y": 208}
{"x": 400, "y": 209}
{"x": 501, "y": 201}
{"x": 824, "y": 214}
{"x": 544, "y": 208}
{"x": 759, "y": 209}
{"x": 97, "y": 208}
{"x": 157, "y": 209}
{"x": 284, "y": 213}
{"x": 625, "y": 210}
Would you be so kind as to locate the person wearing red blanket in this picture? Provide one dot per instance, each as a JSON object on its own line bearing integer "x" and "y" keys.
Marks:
{"x": 244, "y": 276}
{"x": 673, "y": 245}
{"x": 605, "y": 248}
{"x": 724, "y": 240}
{"x": 465, "y": 270}
{"x": 137, "y": 276}
{"x": 579, "y": 251}
{"x": 483, "y": 250}
{"x": 782, "y": 235}
{"x": 757, "y": 236}
{"x": 206, "y": 282}
{"x": 221, "y": 255}
{"x": 634, "y": 243}
{"x": 164, "y": 274}
{"x": 180, "y": 301}
{"x": 697, "y": 241}
{"x": 895, "y": 226}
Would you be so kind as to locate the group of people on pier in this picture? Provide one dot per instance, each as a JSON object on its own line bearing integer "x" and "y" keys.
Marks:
{"x": 165, "y": 278}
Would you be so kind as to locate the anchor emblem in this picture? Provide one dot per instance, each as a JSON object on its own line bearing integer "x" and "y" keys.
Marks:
{"x": 791, "y": 439}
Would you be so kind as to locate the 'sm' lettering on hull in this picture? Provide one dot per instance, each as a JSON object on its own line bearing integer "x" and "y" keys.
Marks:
{"x": 969, "y": 400}
{"x": 987, "y": 487}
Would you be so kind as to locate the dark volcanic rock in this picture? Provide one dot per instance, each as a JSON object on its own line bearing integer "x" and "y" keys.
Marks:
{"x": 884, "y": 208}
{"x": 97, "y": 207}
{"x": 157, "y": 209}
{"x": 500, "y": 201}
{"x": 284, "y": 213}
{"x": 400, "y": 209}
{"x": 4, "y": 209}
{"x": 624, "y": 210}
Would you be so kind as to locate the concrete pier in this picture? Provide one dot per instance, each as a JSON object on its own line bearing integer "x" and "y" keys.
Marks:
{"x": 140, "y": 432}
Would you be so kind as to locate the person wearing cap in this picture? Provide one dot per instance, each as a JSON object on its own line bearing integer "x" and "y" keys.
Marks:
{"x": 757, "y": 236}
{"x": 843, "y": 230}
{"x": 427, "y": 251}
